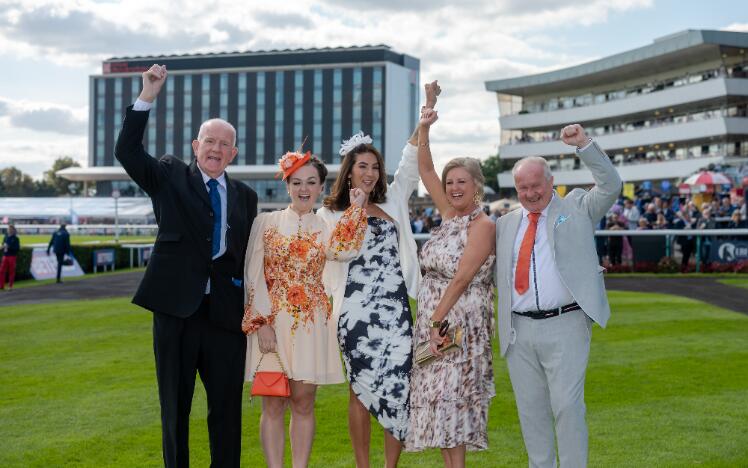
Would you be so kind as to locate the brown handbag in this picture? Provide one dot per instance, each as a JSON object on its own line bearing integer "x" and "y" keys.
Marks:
{"x": 271, "y": 383}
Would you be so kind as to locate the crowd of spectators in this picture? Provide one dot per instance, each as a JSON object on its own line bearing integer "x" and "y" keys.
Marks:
{"x": 643, "y": 212}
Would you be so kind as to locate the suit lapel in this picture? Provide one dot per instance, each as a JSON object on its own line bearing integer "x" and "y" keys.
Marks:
{"x": 510, "y": 235}
{"x": 197, "y": 184}
{"x": 231, "y": 192}
{"x": 550, "y": 222}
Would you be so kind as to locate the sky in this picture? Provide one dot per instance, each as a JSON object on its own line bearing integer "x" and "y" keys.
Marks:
{"x": 48, "y": 48}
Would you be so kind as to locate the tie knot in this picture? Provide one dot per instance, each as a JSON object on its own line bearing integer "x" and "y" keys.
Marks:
{"x": 533, "y": 217}
{"x": 212, "y": 183}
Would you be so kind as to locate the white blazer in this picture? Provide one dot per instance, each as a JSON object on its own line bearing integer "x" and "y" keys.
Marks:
{"x": 403, "y": 184}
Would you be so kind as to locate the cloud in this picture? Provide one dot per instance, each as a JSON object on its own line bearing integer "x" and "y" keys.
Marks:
{"x": 273, "y": 19}
{"x": 737, "y": 27}
{"x": 44, "y": 117}
{"x": 50, "y": 120}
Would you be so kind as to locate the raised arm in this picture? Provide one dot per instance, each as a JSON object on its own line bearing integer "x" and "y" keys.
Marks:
{"x": 257, "y": 307}
{"x": 598, "y": 200}
{"x": 348, "y": 233}
{"x": 426, "y": 164}
{"x": 139, "y": 165}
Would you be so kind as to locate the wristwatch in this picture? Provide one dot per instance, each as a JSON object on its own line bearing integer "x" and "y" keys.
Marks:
{"x": 435, "y": 323}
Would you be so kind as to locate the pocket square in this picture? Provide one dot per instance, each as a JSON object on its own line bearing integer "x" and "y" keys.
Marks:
{"x": 560, "y": 220}
{"x": 237, "y": 282}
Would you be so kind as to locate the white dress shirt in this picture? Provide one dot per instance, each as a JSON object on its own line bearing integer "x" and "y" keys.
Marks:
{"x": 551, "y": 291}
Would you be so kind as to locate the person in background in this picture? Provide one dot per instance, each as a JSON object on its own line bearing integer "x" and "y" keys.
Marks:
{"x": 60, "y": 245}
{"x": 615, "y": 243}
{"x": 643, "y": 224}
{"x": 10, "y": 247}
{"x": 631, "y": 212}
{"x": 660, "y": 222}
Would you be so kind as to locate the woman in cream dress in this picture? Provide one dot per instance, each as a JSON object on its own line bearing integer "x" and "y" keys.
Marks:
{"x": 287, "y": 310}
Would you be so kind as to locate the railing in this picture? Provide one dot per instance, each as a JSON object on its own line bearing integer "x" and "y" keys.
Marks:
{"x": 88, "y": 229}
{"x": 669, "y": 235}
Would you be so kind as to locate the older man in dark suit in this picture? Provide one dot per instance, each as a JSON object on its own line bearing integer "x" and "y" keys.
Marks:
{"x": 193, "y": 280}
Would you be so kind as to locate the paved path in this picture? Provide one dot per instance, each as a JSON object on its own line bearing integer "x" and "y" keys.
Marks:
{"x": 92, "y": 287}
{"x": 124, "y": 284}
{"x": 704, "y": 289}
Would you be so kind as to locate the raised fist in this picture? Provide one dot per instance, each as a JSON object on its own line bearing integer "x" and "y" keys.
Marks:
{"x": 428, "y": 117}
{"x": 357, "y": 197}
{"x": 432, "y": 91}
{"x": 153, "y": 81}
{"x": 574, "y": 135}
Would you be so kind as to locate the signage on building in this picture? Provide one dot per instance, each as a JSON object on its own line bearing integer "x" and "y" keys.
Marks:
{"x": 122, "y": 67}
{"x": 728, "y": 251}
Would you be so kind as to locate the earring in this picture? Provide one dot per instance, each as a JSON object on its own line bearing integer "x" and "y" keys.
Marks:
{"x": 477, "y": 198}
{"x": 349, "y": 183}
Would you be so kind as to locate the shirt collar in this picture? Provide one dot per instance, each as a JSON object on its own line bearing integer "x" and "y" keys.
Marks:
{"x": 543, "y": 213}
{"x": 221, "y": 178}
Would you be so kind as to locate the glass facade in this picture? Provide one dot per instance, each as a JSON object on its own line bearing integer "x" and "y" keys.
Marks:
{"x": 270, "y": 110}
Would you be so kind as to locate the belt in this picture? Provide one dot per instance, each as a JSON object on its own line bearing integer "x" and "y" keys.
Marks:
{"x": 543, "y": 314}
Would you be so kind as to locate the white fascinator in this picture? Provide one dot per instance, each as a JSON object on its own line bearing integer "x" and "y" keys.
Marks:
{"x": 357, "y": 139}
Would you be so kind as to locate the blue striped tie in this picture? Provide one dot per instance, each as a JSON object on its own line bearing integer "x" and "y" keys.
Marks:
{"x": 215, "y": 203}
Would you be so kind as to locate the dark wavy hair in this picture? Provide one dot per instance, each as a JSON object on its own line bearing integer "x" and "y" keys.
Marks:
{"x": 339, "y": 198}
{"x": 317, "y": 164}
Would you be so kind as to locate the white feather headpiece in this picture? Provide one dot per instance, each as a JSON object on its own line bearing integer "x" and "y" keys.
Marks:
{"x": 357, "y": 139}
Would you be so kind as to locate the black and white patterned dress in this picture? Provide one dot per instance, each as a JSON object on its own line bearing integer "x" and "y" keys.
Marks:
{"x": 375, "y": 329}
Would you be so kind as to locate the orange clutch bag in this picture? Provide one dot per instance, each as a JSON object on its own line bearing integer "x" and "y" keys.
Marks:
{"x": 271, "y": 383}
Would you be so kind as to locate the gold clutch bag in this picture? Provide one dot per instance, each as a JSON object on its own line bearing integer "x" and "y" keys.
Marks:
{"x": 452, "y": 342}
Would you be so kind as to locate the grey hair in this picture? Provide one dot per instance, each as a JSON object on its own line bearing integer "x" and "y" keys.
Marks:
{"x": 210, "y": 121}
{"x": 534, "y": 160}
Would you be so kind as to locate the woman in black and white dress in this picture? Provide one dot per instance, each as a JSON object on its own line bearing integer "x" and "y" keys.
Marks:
{"x": 370, "y": 294}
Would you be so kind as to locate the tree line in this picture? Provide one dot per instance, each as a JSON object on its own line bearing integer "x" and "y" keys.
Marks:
{"x": 16, "y": 183}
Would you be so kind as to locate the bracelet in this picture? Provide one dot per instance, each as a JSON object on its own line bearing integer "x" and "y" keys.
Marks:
{"x": 435, "y": 323}
{"x": 425, "y": 143}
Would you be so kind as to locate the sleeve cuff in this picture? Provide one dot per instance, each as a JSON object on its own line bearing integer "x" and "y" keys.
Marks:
{"x": 585, "y": 146}
{"x": 141, "y": 105}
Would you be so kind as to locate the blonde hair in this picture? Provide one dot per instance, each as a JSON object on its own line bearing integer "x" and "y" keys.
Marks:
{"x": 472, "y": 166}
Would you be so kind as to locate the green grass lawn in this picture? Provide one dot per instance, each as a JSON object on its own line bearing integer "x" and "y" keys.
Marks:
{"x": 27, "y": 239}
{"x": 667, "y": 386}
{"x": 740, "y": 282}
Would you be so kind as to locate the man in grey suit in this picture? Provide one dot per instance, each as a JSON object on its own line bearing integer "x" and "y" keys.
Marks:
{"x": 550, "y": 291}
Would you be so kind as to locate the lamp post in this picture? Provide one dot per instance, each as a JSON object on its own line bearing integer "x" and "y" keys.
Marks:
{"x": 115, "y": 195}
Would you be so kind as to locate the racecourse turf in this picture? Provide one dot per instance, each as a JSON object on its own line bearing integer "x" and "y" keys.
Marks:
{"x": 667, "y": 386}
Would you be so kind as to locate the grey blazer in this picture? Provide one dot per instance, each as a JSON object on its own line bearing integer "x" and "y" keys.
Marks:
{"x": 571, "y": 225}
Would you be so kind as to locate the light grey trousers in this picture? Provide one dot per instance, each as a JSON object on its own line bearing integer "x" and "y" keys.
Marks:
{"x": 547, "y": 365}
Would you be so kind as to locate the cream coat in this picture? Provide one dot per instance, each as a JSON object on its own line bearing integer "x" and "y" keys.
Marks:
{"x": 403, "y": 184}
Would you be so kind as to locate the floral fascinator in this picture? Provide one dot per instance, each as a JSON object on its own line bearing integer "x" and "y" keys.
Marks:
{"x": 291, "y": 161}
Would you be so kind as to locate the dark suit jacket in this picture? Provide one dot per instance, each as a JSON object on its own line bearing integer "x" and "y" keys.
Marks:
{"x": 180, "y": 265}
{"x": 60, "y": 242}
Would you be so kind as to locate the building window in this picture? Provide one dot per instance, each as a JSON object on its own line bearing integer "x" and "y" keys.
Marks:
{"x": 377, "y": 104}
{"x": 260, "y": 132}
{"x": 317, "y": 120}
{"x": 337, "y": 113}
{"x": 187, "y": 117}
{"x": 224, "y": 96}
{"x": 279, "y": 82}
{"x": 205, "y": 98}
{"x": 298, "y": 112}
{"x": 169, "y": 115}
{"x": 100, "y": 112}
{"x": 356, "y": 100}
{"x": 242, "y": 117}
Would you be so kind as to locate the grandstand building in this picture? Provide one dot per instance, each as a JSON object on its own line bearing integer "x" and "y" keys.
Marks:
{"x": 661, "y": 112}
{"x": 275, "y": 99}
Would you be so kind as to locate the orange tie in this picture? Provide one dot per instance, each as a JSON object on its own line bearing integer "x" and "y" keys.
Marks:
{"x": 522, "y": 273}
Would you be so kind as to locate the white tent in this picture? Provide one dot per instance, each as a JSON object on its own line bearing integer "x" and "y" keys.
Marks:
{"x": 136, "y": 208}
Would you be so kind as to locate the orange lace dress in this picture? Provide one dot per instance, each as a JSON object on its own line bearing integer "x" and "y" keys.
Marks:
{"x": 286, "y": 255}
